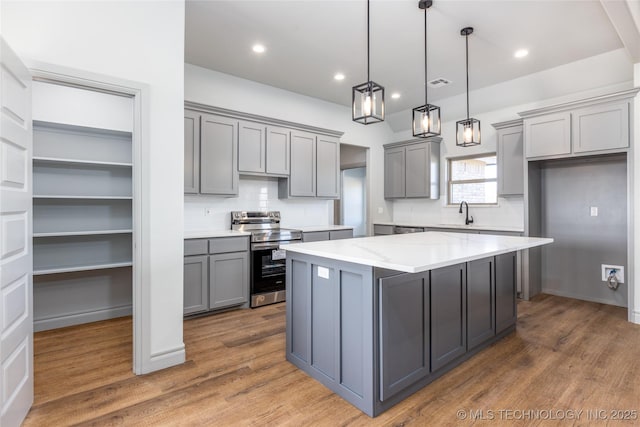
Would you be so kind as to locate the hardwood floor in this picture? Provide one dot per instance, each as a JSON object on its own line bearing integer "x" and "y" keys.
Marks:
{"x": 565, "y": 355}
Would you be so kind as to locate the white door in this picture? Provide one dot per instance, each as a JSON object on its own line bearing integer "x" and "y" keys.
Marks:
{"x": 16, "y": 289}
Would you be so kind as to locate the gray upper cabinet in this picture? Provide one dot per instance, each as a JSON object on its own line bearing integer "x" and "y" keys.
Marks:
{"x": 218, "y": 155}
{"x": 251, "y": 147}
{"x": 302, "y": 180}
{"x": 327, "y": 167}
{"x": 394, "y": 173}
{"x": 598, "y": 125}
{"x": 191, "y": 152}
{"x": 509, "y": 150}
{"x": 601, "y": 127}
{"x": 315, "y": 167}
{"x": 263, "y": 150}
{"x": 548, "y": 135}
{"x": 412, "y": 169}
{"x": 278, "y": 151}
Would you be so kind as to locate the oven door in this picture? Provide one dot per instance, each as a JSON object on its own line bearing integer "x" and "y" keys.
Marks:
{"x": 268, "y": 268}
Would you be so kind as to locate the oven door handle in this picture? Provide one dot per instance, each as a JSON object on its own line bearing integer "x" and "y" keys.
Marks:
{"x": 262, "y": 246}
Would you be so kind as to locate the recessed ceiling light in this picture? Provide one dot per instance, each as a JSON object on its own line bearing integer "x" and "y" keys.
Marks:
{"x": 395, "y": 95}
{"x": 521, "y": 53}
{"x": 339, "y": 76}
{"x": 258, "y": 48}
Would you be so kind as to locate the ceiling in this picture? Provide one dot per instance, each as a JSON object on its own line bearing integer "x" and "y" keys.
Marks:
{"x": 308, "y": 41}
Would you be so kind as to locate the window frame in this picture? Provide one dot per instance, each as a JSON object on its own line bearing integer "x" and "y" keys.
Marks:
{"x": 450, "y": 182}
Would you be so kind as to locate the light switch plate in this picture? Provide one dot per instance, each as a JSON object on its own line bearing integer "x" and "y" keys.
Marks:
{"x": 594, "y": 211}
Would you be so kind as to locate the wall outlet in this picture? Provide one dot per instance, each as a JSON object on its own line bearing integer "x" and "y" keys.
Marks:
{"x": 606, "y": 270}
{"x": 380, "y": 211}
{"x": 208, "y": 211}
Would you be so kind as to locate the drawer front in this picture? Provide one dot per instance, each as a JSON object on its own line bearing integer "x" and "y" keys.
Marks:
{"x": 381, "y": 230}
{"x": 315, "y": 236}
{"x": 340, "y": 234}
{"x": 228, "y": 244}
{"x": 195, "y": 247}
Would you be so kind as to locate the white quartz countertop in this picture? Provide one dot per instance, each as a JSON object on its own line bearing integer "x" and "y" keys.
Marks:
{"x": 205, "y": 234}
{"x": 417, "y": 252}
{"x": 312, "y": 228}
{"x": 470, "y": 227}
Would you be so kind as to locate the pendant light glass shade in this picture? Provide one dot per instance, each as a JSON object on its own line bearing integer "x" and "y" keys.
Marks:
{"x": 467, "y": 130}
{"x": 367, "y": 98}
{"x": 426, "y": 118}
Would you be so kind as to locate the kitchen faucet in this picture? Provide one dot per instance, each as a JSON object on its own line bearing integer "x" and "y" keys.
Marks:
{"x": 467, "y": 221}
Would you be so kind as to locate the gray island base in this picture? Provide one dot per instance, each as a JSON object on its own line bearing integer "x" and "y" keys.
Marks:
{"x": 374, "y": 336}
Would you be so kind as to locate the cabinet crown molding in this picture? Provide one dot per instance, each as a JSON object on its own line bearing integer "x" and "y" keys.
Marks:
{"x": 436, "y": 139}
{"x": 261, "y": 119}
{"x": 616, "y": 96}
{"x": 507, "y": 124}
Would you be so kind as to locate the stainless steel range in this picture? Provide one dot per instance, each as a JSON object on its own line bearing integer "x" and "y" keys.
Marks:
{"x": 268, "y": 263}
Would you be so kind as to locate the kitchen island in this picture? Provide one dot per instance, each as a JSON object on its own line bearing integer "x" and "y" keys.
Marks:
{"x": 375, "y": 319}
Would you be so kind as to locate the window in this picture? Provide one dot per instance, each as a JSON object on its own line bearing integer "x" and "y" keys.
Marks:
{"x": 473, "y": 179}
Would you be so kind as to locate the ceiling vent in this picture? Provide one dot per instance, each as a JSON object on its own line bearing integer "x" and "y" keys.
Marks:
{"x": 439, "y": 82}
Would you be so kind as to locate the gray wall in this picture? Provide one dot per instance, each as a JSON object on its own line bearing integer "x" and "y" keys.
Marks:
{"x": 571, "y": 266}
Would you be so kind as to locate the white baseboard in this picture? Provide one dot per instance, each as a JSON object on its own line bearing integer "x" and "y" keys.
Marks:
{"x": 634, "y": 317}
{"x": 164, "y": 359}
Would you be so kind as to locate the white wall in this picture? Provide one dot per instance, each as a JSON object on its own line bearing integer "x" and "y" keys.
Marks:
{"x": 230, "y": 92}
{"x": 605, "y": 73}
{"x": 144, "y": 42}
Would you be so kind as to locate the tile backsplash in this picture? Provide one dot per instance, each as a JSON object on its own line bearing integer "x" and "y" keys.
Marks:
{"x": 255, "y": 194}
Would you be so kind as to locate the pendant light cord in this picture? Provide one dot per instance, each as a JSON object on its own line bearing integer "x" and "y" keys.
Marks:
{"x": 466, "y": 37}
{"x": 426, "y": 86}
{"x": 368, "y": 48}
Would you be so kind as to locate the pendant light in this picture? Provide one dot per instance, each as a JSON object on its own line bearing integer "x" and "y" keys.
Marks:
{"x": 426, "y": 118}
{"x": 467, "y": 130}
{"x": 368, "y": 98}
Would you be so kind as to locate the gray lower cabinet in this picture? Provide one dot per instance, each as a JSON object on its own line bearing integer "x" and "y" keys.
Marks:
{"x": 216, "y": 273}
{"x": 448, "y": 315}
{"x": 315, "y": 236}
{"x": 480, "y": 301}
{"x": 382, "y": 229}
{"x": 404, "y": 332}
{"x": 228, "y": 279}
{"x": 318, "y": 236}
{"x": 196, "y": 284}
{"x": 505, "y": 283}
{"x": 375, "y": 336}
{"x": 412, "y": 169}
{"x": 510, "y": 156}
{"x": 341, "y": 234}
{"x": 191, "y": 152}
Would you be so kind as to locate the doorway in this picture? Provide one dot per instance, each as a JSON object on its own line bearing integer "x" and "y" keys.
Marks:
{"x": 351, "y": 209}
